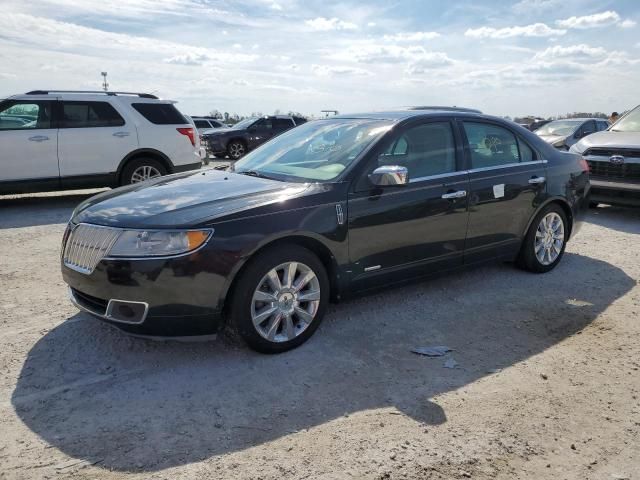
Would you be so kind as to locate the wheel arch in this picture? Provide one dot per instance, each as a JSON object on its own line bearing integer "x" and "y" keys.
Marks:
{"x": 144, "y": 153}
{"x": 563, "y": 203}
{"x": 312, "y": 244}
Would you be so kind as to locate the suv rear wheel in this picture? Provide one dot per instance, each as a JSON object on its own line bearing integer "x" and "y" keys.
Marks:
{"x": 141, "y": 169}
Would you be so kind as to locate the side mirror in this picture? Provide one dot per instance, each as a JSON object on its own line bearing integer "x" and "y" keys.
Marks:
{"x": 389, "y": 175}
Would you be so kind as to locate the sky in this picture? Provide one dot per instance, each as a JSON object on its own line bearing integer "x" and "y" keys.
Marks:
{"x": 539, "y": 57}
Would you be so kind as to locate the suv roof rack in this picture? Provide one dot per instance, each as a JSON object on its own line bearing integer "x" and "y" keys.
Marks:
{"x": 92, "y": 92}
{"x": 454, "y": 108}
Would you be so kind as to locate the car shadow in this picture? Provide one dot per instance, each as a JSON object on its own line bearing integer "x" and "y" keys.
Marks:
{"x": 129, "y": 404}
{"x": 622, "y": 219}
{"x": 30, "y": 210}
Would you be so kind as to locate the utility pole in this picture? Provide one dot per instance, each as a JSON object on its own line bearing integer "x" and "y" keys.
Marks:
{"x": 105, "y": 85}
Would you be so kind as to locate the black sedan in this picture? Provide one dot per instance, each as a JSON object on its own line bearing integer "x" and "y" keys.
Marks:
{"x": 332, "y": 208}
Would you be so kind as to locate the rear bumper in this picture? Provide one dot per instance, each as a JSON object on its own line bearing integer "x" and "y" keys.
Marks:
{"x": 615, "y": 193}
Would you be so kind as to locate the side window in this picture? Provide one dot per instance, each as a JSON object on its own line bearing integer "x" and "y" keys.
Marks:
{"x": 602, "y": 125}
{"x": 425, "y": 150}
{"x": 526, "y": 154}
{"x": 89, "y": 114}
{"x": 490, "y": 145}
{"x": 264, "y": 124}
{"x": 588, "y": 128}
{"x": 25, "y": 115}
{"x": 282, "y": 124}
{"x": 160, "y": 113}
{"x": 201, "y": 124}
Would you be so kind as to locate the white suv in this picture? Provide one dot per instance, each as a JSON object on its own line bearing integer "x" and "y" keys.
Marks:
{"x": 55, "y": 140}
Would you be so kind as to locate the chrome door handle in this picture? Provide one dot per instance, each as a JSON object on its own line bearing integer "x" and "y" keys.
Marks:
{"x": 121, "y": 134}
{"x": 536, "y": 180}
{"x": 38, "y": 138}
{"x": 452, "y": 195}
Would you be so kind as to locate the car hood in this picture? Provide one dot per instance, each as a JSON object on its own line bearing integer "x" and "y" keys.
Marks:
{"x": 184, "y": 200}
{"x": 553, "y": 138}
{"x": 609, "y": 138}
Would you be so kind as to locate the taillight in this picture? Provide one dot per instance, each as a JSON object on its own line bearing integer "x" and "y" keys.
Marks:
{"x": 188, "y": 132}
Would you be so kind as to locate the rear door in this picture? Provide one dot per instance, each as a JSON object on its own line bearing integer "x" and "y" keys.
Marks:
{"x": 93, "y": 138}
{"x": 281, "y": 125}
{"x": 28, "y": 141}
{"x": 507, "y": 181}
{"x": 400, "y": 231}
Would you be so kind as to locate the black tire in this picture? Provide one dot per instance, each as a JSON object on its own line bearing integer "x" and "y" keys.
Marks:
{"x": 527, "y": 258}
{"x": 220, "y": 155}
{"x": 126, "y": 178}
{"x": 236, "y": 149}
{"x": 239, "y": 316}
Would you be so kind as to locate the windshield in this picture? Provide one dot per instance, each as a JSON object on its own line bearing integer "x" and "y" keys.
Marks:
{"x": 559, "y": 127}
{"x": 244, "y": 123}
{"x": 629, "y": 123}
{"x": 316, "y": 151}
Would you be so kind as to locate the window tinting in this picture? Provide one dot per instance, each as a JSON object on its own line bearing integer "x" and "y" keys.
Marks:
{"x": 160, "y": 113}
{"x": 526, "y": 154}
{"x": 89, "y": 114}
{"x": 25, "y": 115}
{"x": 263, "y": 124}
{"x": 281, "y": 124}
{"x": 201, "y": 124}
{"x": 425, "y": 150}
{"x": 491, "y": 145}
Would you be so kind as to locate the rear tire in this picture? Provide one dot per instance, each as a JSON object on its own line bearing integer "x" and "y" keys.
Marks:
{"x": 280, "y": 299}
{"x": 141, "y": 169}
{"x": 545, "y": 241}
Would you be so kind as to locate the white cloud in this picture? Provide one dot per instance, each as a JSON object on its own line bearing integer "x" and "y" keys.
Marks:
{"x": 411, "y": 36}
{"x": 602, "y": 19}
{"x": 533, "y": 30}
{"x": 332, "y": 71}
{"x": 628, "y": 23}
{"x": 536, "y": 6}
{"x": 379, "y": 54}
{"x": 572, "y": 51}
{"x": 275, "y": 6}
{"x": 322, "y": 24}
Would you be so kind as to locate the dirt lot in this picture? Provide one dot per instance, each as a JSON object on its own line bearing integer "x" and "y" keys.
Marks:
{"x": 547, "y": 383}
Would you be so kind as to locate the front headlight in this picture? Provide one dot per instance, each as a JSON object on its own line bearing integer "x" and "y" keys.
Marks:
{"x": 155, "y": 243}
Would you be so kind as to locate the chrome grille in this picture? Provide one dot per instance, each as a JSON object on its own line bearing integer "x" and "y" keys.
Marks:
{"x": 87, "y": 245}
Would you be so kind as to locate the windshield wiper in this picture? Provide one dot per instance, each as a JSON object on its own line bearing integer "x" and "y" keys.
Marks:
{"x": 253, "y": 173}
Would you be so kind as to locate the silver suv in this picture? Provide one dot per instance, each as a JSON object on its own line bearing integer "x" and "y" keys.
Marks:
{"x": 614, "y": 161}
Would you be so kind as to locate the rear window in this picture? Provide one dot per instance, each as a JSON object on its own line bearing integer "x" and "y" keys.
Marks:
{"x": 89, "y": 114}
{"x": 160, "y": 113}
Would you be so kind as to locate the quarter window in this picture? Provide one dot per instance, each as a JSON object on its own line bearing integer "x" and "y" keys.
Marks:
{"x": 25, "y": 115}
{"x": 160, "y": 113}
{"x": 492, "y": 146}
{"x": 202, "y": 124}
{"x": 282, "y": 124}
{"x": 89, "y": 114}
{"x": 425, "y": 150}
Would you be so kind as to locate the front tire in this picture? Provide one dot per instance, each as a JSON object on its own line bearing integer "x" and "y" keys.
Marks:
{"x": 236, "y": 149}
{"x": 141, "y": 169}
{"x": 280, "y": 299}
{"x": 545, "y": 241}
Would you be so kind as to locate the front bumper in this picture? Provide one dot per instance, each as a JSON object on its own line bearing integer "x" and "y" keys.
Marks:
{"x": 214, "y": 145}
{"x": 615, "y": 192}
{"x": 171, "y": 297}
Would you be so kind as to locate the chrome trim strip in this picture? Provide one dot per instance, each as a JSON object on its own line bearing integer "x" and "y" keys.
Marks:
{"x": 372, "y": 269}
{"x": 440, "y": 175}
{"x": 508, "y": 165}
{"x": 107, "y": 315}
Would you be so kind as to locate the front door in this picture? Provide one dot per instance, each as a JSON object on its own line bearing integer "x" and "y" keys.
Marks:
{"x": 28, "y": 141}
{"x": 396, "y": 232}
{"x": 260, "y": 132}
{"x": 507, "y": 182}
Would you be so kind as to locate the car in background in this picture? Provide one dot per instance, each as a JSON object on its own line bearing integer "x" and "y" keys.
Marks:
{"x": 247, "y": 134}
{"x": 206, "y": 123}
{"x": 614, "y": 161}
{"x": 562, "y": 134}
{"x": 328, "y": 209}
{"x": 84, "y": 139}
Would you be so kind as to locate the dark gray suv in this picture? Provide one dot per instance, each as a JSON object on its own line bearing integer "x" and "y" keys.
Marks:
{"x": 247, "y": 134}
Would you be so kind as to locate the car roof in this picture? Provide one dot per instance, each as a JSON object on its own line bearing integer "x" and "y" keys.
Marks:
{"x": 400, "y": 115}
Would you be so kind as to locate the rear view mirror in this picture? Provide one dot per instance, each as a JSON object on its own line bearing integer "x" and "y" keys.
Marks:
{"x": 389, "y": 175}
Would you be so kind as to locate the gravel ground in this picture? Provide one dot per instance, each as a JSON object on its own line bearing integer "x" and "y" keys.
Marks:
{"x": 546, "y": 383}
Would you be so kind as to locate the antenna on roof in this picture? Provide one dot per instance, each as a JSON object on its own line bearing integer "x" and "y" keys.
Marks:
{"x": 105, "y": 85}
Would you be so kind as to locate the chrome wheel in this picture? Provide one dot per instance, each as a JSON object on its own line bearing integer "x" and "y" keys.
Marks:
{"x": 236, "y": 150}
{"x": 549, "y": 238}
{"x": 144, "y": 172}
{"x": 285, "y": 302}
